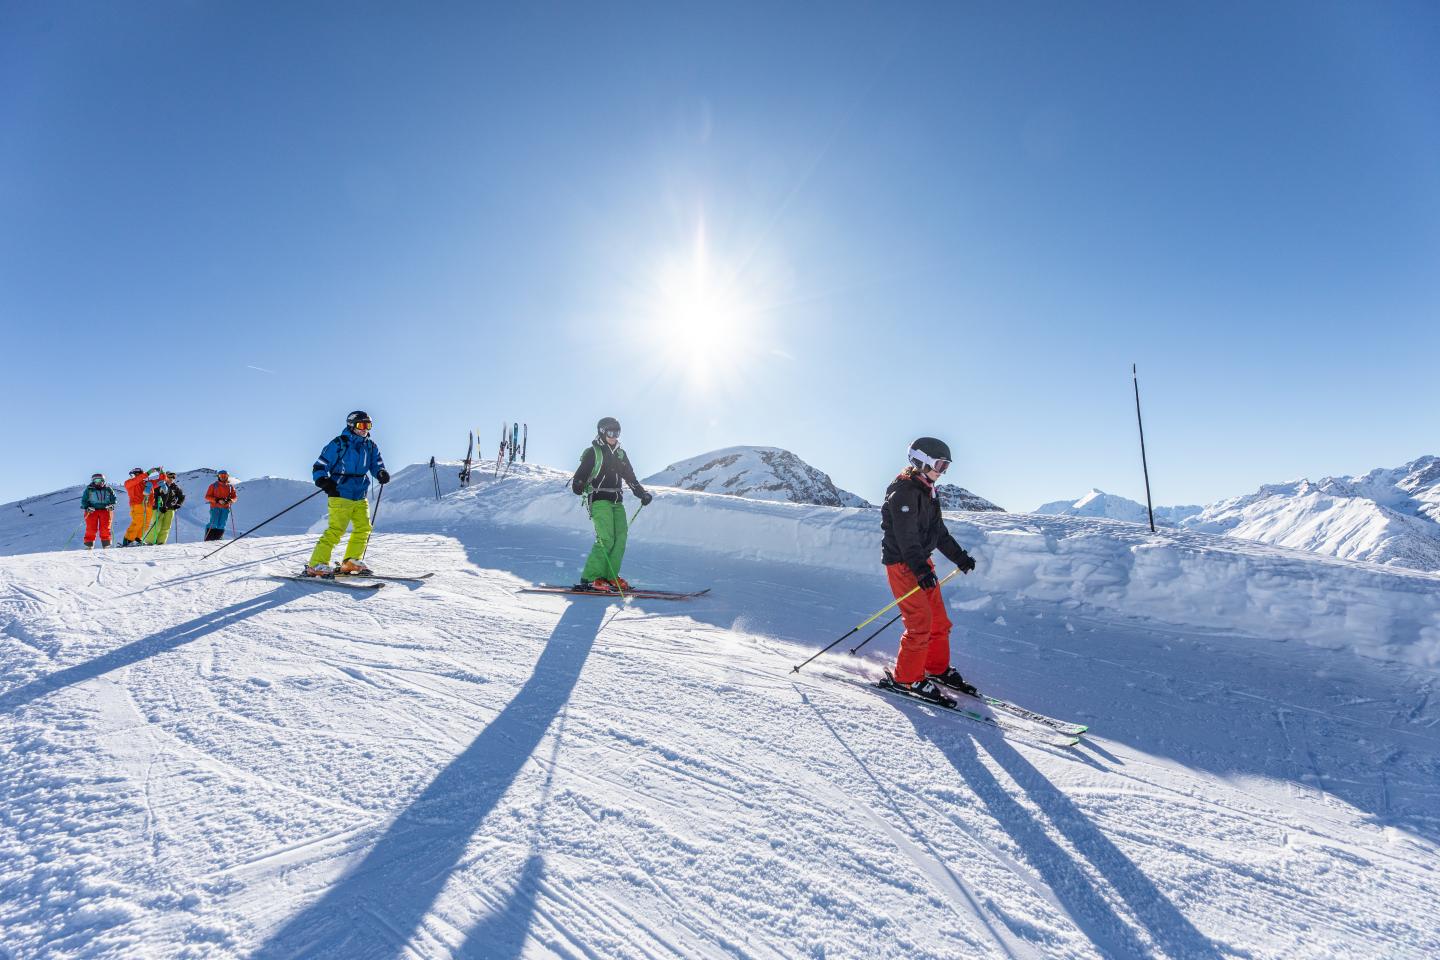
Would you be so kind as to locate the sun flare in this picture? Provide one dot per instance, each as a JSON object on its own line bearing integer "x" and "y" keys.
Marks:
{"x": 700, "y": 317}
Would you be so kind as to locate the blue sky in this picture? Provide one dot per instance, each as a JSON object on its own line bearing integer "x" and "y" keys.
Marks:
{"x": 222, "y": 226}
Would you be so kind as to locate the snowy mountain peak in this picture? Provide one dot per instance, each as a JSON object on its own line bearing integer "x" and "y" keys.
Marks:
{"x": 757, "y": 473}
{"x": 953, "y": 497}
{"x": 1098, "y": 503}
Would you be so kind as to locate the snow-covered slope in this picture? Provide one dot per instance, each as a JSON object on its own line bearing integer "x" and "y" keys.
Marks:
{"x": 54, "y": 521}
{"x": 958, "y": 498}
{"x": 1099, "y": 504}
{"x": 758, "y": 473}
{"x": 1389, "y": 516}
{"x": 203, "y": 762}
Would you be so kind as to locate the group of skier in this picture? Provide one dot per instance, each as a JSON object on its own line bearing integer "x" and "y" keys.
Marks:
{"x": 912, "y": 529}
{"x": 154, "y": 496}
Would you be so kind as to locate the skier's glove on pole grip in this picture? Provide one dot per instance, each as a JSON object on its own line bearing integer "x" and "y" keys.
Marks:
{"x": 330, "y": 487}
{"x": 383, "y": 476}
{"x": 929, "y": 581}
{"x": 966, "y": 562}
{"x": 645, "y": 498}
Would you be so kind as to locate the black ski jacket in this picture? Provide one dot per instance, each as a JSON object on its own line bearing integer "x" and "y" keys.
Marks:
{"x": 169, "y": 497}
{"x": 604, "y": 483}
{"x": 913, "y": 525}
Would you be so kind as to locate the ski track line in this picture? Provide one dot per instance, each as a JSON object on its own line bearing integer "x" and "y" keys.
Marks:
{"x": 1267, "y": 810}
{"x": 960, "y": 896}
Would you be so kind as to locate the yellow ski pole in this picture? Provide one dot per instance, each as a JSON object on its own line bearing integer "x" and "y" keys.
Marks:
{"x": 872, "y": 618}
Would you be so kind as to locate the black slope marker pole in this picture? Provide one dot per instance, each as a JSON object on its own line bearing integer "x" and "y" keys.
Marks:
{"x": 1143, "y": 463}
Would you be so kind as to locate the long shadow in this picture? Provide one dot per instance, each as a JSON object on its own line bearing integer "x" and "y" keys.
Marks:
{"x": 1218, "y": 701}
{"x": 1076, "y": 892}
{"x": 162, "y": 641}
{"x": 375, "y": 909}
{"x": 502, "y": 934}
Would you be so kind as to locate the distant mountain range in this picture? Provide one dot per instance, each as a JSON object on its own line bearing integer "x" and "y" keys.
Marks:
{"x": 1097, "y": 503}
{"x": 1389, "y": 515}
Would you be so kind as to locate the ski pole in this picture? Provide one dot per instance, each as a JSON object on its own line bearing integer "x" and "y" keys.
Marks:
{"x": 373, "y": 520}
{"x": 888, "y": 623}
{"x": 262, "y": 523}
{"x": 872, "y": 618}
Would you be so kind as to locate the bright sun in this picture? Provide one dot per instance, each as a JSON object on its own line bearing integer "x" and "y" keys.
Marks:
{"x": 699, "y": 315}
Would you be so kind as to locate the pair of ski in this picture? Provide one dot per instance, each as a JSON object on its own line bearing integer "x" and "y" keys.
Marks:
{"x": 639, "y": 593}
{"x": 991, "y": 711}
{"x": 368, "y": 581}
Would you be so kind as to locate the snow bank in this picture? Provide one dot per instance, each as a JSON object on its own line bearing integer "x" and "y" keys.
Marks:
{"x": 1194, "y": 579}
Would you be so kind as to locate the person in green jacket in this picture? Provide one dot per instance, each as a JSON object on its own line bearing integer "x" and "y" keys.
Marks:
{"x": 603, "y": 466}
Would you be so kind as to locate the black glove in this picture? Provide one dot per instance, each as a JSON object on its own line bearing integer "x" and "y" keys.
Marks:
{"x": 966, "y": 563}
{"x": 330, "y": 487}
{"x": 578, "y": 488}
{"x": 645, "y": 498}
{"x": 383, "y": 476}
{"x": 927, "y": 580}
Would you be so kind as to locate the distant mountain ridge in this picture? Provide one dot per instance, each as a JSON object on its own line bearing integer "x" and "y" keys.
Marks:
{"x": 958, "y": 498}
{"x": 756, "y": 473}
{"x": 1098, "y": 503}
{"x": 1388, "y": 516}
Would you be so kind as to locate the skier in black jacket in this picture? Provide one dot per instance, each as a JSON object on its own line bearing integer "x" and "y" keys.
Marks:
{"x": 603, "y": 467}
{"x": 913, "y": 528}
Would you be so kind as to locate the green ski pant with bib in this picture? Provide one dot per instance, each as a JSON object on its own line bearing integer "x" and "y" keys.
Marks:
{"x": 159, "y": 531}
{"x": 611, "y": 531}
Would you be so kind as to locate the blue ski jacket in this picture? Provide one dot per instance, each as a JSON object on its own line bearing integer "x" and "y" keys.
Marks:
{"x": 350, "y": 460}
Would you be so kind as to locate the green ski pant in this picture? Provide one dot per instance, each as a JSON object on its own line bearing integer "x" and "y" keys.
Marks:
{"x": 159, "y": 531}
{"x": 342, "y": 514}
{"x": 611, "y": 531}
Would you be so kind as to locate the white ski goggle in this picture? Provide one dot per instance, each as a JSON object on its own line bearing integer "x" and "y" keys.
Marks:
{"x": 939, "y": 465}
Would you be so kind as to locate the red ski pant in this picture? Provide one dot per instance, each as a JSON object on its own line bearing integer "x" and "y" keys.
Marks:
{"x": 97, "y": 522}
{"x": 925, "y": 644}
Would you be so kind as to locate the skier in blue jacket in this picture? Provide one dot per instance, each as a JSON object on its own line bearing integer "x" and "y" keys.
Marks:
{"x": 343, "y": 470}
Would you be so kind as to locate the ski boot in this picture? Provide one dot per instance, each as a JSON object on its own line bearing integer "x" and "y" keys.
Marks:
{"x": 89, "y": 547}
{"x": 321, "y": 570}
{"x": 951, "y": 678}
{"x": 925, "y": 689}
{"x": 352, "y": 568}
{"x": 601, "y": 585}
{"x": 621, "y": 584}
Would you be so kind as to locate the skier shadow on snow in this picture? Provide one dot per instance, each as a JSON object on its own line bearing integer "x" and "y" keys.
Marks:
{"x": 162, "y": 641}
{"x": 374, "y": 910}
{"x": 1077, "y": 893}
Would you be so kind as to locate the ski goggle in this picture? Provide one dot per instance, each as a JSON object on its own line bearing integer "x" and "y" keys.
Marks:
{"x": 939, "y": 465}
{"x": 612, "y": 434}
{"x": 362, "y": 424}
{"x": 169, "y": 476}
{"x": 97, "y": 478}
{"x": 224, "y": 475}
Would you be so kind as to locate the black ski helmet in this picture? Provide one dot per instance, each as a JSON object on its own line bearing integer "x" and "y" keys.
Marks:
{"x": 607, "y": 426}
{"x": 356, "y": 416}
{"x": 929, "y": 453}
{"x": 138, "y": 472}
